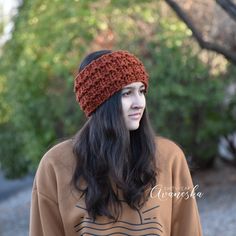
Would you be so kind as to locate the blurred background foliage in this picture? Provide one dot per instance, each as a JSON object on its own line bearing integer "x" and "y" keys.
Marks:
{"x": 187, "y": 91}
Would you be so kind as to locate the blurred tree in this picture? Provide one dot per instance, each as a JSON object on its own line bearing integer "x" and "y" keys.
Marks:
{"x": 213, "y": 23}
{"x": 50, "y": 38}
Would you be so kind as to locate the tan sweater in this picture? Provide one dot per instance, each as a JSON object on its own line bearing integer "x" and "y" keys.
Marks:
{"x": 56, "y": 209}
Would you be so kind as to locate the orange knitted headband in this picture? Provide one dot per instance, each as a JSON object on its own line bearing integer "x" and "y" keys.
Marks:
{"x": 106, "y": 75}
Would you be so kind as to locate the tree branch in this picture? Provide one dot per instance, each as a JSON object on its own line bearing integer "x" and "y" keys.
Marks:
{"x": 229, "y": 7}
{"x": 203, "y": 44}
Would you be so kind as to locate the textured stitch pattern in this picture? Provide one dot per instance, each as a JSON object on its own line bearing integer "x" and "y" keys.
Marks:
{"x": 106, "y": 75}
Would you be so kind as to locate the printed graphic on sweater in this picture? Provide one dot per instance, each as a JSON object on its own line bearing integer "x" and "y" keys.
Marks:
{"x": 144, "y": 223}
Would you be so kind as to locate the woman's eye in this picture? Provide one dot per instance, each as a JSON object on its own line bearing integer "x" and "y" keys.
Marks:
{"x": 126, "y": 93}
{"x": 143, "y": 91}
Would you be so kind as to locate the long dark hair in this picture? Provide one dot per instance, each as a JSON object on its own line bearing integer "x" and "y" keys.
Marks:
{"x": 109, "y": 157}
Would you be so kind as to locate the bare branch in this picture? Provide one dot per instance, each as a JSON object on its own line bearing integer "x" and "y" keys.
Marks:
{"x": 229, "y": 7}
{"x": 203, "y": 44}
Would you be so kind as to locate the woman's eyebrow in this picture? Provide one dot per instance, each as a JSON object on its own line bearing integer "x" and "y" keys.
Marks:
{"x": 133, "y": 87}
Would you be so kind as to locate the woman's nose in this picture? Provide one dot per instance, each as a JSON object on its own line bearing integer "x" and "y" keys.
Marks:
{"x": 138, "y": 101}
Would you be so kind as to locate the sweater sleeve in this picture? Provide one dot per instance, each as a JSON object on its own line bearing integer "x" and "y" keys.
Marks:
{"x": 45, "y": 218}
{"x": 185, "y": 216}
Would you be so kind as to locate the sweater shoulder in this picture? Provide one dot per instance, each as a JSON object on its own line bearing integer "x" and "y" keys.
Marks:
{"x": 60, "y": 155}
{"x": 168, "y": 152}
{"x": 167, "y": 146}
{"x": 54, "y": 170}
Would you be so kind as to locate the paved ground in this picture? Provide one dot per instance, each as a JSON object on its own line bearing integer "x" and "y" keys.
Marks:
{"x": 10, "y": 187}
{"x": 14, "y": 206}
{"x": 217, "y": 206}
{"x": 14, "y": 214}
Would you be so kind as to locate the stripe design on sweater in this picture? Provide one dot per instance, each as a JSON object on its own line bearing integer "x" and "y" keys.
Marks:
{"x": 146, "y": 226}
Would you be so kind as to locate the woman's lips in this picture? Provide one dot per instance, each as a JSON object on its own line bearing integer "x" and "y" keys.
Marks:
{"x": 135, "y": 116}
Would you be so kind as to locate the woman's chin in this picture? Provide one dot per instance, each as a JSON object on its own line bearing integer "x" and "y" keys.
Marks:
{"x": 133, "y": 126}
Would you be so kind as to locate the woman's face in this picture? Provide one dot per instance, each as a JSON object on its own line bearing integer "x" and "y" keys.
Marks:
{"x": 133, "y": 104}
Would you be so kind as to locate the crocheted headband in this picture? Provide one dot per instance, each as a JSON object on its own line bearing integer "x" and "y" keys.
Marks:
{"x": 106, "y": 75}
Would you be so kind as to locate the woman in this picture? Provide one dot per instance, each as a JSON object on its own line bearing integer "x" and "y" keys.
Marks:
{"x": 114, "y": 177}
